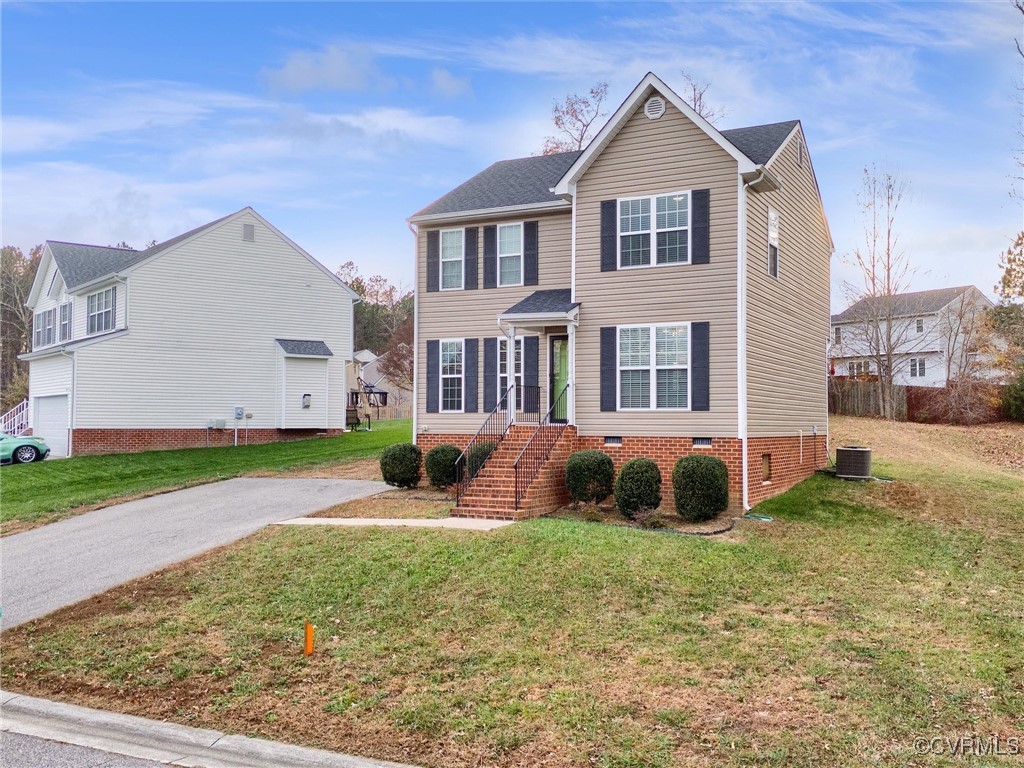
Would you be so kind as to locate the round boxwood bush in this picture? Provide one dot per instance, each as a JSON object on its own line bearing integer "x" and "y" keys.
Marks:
{"x": 478, "y": 455}
{"x": 589, "y": 476}
{"x": 400, "y": 465}
{"x": 638, "y": 487}
{"x": 440, "y": 463}
{"x": 701, "y": 485}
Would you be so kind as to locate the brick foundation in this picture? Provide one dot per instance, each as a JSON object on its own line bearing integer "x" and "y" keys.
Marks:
{"x": 790, "y": 463}
{"x": 91, "y": 442}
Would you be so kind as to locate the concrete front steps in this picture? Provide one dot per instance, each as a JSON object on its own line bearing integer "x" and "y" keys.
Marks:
{"x": 492, "y": 493}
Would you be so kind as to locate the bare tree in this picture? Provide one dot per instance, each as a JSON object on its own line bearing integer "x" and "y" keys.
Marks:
{"x": 965, "y": 336}
{"x": 882, "y": 331}
{"x": 575, "y": 120}
{"x": 697, "y": 97}
{"x": 17, "y": 272}
{"x": 396, "y": 364}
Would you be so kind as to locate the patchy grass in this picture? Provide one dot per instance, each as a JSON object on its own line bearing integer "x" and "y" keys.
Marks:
{"x": 420, "y": 503}
{"x": 831, "y": 637}
{"x": 34, "y": 494}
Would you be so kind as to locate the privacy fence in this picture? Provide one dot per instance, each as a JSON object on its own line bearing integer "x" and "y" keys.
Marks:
{"x": 970, "y": 402}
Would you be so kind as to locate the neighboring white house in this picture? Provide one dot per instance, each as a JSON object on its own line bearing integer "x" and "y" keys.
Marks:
{"x": 936, "y": 335}
{"x": 227, "y": 332}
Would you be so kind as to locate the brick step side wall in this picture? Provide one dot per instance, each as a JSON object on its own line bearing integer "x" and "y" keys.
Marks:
{"x": 93, "y": 442}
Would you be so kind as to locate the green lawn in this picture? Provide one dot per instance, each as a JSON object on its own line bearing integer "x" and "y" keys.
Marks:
{"x": 833, "y": 636}
{"x": 50, "y": 489}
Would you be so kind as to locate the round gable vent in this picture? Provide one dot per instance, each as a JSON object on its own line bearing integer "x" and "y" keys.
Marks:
{"x": 654, "y": 108}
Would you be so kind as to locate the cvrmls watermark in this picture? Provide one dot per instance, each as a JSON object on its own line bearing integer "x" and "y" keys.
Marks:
{"x": 970, "y": 746}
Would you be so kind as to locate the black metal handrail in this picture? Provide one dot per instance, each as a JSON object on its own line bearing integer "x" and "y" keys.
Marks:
{"x": 493, "y": 430}
{"x": 538, "y": 448}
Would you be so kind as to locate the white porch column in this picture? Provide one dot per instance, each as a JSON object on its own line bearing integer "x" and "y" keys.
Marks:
{"x": 510, "y": 367}
{"x": 571, "y": 394}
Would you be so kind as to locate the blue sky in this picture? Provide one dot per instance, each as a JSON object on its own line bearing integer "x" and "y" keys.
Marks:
{"x": 336, "y": 121}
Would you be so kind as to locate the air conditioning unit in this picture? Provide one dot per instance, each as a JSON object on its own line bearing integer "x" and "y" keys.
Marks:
{"x": 853, "y": 462}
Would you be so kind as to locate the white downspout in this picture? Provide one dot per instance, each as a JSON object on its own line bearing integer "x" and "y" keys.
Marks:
{"x": 74, "y": 398}
{"x": 741, "y": 328}
{"x": 415, "y": 329}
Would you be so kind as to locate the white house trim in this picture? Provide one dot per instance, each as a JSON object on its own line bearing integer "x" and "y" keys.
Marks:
{"x": 489, "y": 213}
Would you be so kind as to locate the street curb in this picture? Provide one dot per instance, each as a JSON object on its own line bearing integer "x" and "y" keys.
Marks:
{"x": 164, "y": 742}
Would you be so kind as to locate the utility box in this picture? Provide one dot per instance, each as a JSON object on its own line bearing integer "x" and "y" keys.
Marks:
{"x": 307, "y": 400}
{"x": 239, "y": 412}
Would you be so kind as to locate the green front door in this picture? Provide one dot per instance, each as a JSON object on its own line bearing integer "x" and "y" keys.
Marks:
{"x": 559, "y": 379}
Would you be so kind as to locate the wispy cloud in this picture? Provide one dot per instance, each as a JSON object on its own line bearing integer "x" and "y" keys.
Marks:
{"x": 331, "y": 68}
{"x": 448, "y": 86}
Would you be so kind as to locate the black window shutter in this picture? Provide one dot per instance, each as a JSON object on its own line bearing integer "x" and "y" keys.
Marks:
{"x": 490, "y": 257}
{"x": 609, "y": 236}
{"x": 433, "y": 260}
{"x": 700, "y": 360}
{"x": 531, "y": 374}
{"x": 490, "y": 374}
{"x": 470, "y": 374}
{"x": 433, "y": 375}
{"x": 609, "y": 364}
{"x": 470, "y": 256}
{"x": 701, "y": 226}
{"x": 531, "y": 256}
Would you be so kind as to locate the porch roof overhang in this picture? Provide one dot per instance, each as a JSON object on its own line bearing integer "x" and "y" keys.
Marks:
{"x": 541, "y": 308}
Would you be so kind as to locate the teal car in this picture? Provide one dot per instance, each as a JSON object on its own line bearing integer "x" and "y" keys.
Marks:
{"x": 22, "y": 450}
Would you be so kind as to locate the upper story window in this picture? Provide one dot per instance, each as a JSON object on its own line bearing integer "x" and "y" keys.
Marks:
{"x": 510, "y": 254}
{"x": 452, "y": 241}
{"x": 451, "y": 375}
{"x": 100, "y": 307}
{"x": 860, "y": 368}
{"x": 65, "y": 321}
{"x": 916, "y": 366}
{"x": 44, "y": 328}
{"x": 659, "y": 380}
{"x": 839, "y": 335}
{"x": 920, "y": 325}
{"x": 669, "y": 227}
{"x": 774, "y": 221}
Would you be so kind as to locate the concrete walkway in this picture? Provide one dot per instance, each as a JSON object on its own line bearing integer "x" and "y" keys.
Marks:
{"x": 62, "y": 563}
{"x": 94, "y": 732}
{"x": 458, "y": 523}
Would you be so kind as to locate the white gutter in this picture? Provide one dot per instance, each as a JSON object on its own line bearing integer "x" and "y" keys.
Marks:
{"x": 741, "y": 326}
{"x": 415, "y": 328}
{"x": 489, "y": 213}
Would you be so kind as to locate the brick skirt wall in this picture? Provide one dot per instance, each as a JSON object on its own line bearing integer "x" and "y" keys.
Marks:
{"x": 792, "y": 459}
{"x": 91, "y": 442}
{"x": 428, "y": 440}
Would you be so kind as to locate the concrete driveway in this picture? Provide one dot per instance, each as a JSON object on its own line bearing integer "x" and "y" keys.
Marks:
{"x": 59, "y": 564}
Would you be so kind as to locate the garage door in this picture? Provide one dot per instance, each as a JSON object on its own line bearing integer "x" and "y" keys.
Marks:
{"x": 51, "y": 423}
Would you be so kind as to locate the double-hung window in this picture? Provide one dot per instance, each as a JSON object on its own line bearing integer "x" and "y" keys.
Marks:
{"x": 919, "y": 325}
{"x": 452, "y": 243}
{"x": 510, "y": 254}
{"x": 503, "y": 380}
{"x": 773, "y": 242}
{"x": 860, "y": 368}
{"x": 654, "y": 367}
{"x": 100, "y": 309}
{"x": 44, "y": 331}
{"x": 663, "y": 219}
{"x": 916, "y": 367}
{"x": 452, "y": 375}
{"x": 65, "y": 321}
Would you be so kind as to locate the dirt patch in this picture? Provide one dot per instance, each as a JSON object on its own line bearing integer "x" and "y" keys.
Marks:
{"x": 390, "y": 506}
{"x": 359, "y": 469}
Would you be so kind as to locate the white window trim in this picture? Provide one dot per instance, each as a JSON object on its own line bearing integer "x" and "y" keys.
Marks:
{"x": 112, "y": 310}
{"x": 441, "y": 259}
{"x": 653, "y": 231}
{"x": 502, "y": 358}
{"x": 522, "y": 252}
{"x": 441, "y": 376}
{"x": 919, "y": 322}
{"x": 918, "y": 368}
{"x": 70, "y": 324}
{"x": 778, "y": 248}
{"x": 38, "y": 329}
{"x": 654, "y": 368}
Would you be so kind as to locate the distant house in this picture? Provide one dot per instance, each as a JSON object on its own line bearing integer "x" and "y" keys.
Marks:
{"x": 228, "y": 331}
{"x": 367, "y": 366}
{"x": 934, "y": 332}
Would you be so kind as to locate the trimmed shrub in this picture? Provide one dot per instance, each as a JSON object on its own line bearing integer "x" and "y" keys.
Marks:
{"x": 701, "y": 486}
{"x": 400, "y": 465}
{"x": 440, "y": 464}
{"x": 637, "y": 487}
{"x": 478, "y": 455}
{"x": 1013, "y": 399}
{"x": 589, "y": 476}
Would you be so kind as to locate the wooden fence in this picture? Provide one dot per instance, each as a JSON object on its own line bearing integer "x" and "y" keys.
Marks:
{"x": 390, "y": 412}
{"x": 857, "y": 397}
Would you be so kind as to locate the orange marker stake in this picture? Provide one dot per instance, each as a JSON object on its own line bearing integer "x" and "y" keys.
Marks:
{"x": 309, "y": 639}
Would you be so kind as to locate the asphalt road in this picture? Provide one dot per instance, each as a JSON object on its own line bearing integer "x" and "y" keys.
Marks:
{"x": 21, "y": 751}
{"x": 62, "y": 563}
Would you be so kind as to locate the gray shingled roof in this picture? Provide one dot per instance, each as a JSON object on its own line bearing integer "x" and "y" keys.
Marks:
{"x": 905, "y": 304}
{"x": 305, "y": 347}
{"x": 524, "y": 181}
{"x": 528, "y": 180}
{"x": 80, "y": 264}
{"x": 760, "y": 142}
{"x": 544, "y": 302}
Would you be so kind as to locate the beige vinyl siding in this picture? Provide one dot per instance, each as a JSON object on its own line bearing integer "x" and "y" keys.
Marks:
{"x": 650, "y": 157}
{"x": 204, "y": 317}
{"x": 787, "y": 319}
{"x": 473, "y": 314}
{"x": 50, "y": 375}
